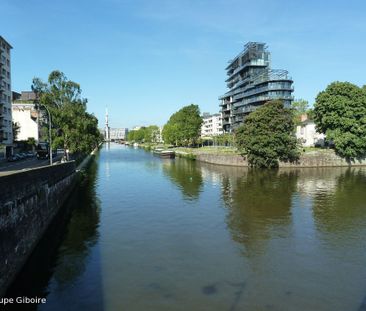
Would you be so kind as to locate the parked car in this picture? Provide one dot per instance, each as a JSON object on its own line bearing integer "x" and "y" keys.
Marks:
{"x": 12, "y": 158}
{"x": 18, "y": 156}
{"x": 30, "y": 154}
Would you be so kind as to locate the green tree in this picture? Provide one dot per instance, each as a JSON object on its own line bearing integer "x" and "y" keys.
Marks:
{"x": 140, "y": 135}
{"x": 31, "y": 142}
{"x": 15, "y": 129}
{"x": 340, "y": 113}
{"x": 300, "y": 107}
{"x": 183, "y": 127}
{"x": 151, "y": 134}
{"x": 73, "y": 128}
{"x": 267, "y": 136}
{"x": 131, "y": 135}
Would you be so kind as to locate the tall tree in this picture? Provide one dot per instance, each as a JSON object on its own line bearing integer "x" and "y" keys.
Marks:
{"x": 340, "y": 113}
{"x": 15, "y": 130}
{"x": 73, "y": 128}
{"x": 300, "y": 107}
{"x": 183, "y": 127}
{"x": 267, "y": 136}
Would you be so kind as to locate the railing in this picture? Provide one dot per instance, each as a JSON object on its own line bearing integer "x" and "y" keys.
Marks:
{"x": 262, "y": 99}
{"x": 263, "y": 89}
{"x": 258, "y": 62}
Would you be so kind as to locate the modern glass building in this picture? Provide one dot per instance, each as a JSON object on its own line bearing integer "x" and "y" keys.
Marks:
{"x": 251, "y": 83}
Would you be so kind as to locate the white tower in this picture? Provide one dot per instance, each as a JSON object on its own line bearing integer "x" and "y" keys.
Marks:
{"x": 106, "y": 130}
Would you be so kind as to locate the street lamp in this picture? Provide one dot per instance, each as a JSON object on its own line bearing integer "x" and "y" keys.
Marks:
{"x": 49, "y": 131}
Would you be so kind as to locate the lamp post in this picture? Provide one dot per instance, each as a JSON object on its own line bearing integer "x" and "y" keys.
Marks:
{"x": 49, "y": 131}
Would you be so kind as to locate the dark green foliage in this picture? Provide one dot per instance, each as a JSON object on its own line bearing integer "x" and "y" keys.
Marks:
{"x": 15, "y": 129}
{"x": 148, "y": 134}
{"x": 300, "y": 106}
{"x": 226, "y": 139}
{"x": 183, "y": 127}
{"x": 73, "y": 128}
{"x": 186, "y": 175}
{"x": 267, "y": 136}
{"x": 340, "y": 113}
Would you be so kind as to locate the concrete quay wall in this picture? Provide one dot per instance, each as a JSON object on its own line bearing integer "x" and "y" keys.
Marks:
{"x": 321, "y": 158}
{"x": 29, "y": 201}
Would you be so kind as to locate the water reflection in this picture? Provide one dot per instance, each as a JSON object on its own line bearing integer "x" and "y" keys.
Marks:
{"x": 245, "y": 240}
{"x": 344, "y": 208}
{"x": 186, "y": 175}
{"x": 257, "y": 202}
{"x": 82, "y": 234}
{"x": 61, "y": 257}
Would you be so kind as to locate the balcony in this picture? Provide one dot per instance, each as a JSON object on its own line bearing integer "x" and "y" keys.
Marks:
{"x": 263, "y": 89}
{"x": 245, "y": 109}
{"x": 257, "y": 62}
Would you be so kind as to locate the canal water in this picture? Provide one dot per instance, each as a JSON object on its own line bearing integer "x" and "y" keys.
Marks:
{"x": 144, "y": 233}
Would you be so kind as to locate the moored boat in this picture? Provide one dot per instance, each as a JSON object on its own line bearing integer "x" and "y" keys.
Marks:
{"x": 165, "y": 154}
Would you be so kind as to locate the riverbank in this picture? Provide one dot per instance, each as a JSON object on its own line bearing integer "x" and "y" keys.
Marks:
{"x": 309, "y": 158}
{"x": 229, "y": 156}
{"x": 31, "y": 202}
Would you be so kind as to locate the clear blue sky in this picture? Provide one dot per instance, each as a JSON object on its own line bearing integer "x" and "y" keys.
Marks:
{"x": 145, "y": 59}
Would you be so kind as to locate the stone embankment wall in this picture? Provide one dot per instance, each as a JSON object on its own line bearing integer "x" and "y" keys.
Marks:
{"x": 321, "y": 158}
{"x": 29, "y": 201}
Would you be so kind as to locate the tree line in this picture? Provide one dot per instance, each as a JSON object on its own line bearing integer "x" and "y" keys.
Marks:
{"x": 73, "y": 128}
{"x": 149, "y": 134}
{"x": 267, "y": 135}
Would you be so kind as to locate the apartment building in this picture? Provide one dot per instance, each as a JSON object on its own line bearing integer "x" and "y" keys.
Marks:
{"x": 307, "y": 134}
{"x": 118, "y": 133}
{"x": 211, "y": 125}
{"x": 6, "y": 132}
{"x": 26, "y": 115}
{"x": 251, "y": 83}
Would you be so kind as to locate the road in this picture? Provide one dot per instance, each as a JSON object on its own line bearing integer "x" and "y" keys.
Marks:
{"x": 11, "y": 167}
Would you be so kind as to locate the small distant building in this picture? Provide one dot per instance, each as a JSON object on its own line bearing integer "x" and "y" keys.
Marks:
{"x": 25, "y": 115}
{"x": 106, "y": 128}
{"x": 306, "y": 133}
{"x": 118, "y": 133}
{"x": 212, "y": 125}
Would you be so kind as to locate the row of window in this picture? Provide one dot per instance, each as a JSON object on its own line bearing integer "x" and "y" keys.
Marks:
{"x": 5, "y": 60}
{"x": 6, "y": 98}
{"x": 6, "y": 73}
{"x": 6, "y": 85}
{"x": 5, "y": 47}
{"x": 6, "y": 110}
{"x": 6, "y": 123}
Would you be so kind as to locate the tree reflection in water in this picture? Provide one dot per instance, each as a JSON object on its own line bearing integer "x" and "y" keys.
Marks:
{"x": 61, "y": 256}
{"x": 258, "y": 202}
{"x": 186, "y": 175}
{"x": 344, "y": 208}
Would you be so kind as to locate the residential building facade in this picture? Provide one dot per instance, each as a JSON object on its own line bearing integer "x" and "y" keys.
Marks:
{"x": 251, "y": 83}
{"x": 211, "y": 125}
{"x": 26, "y": 115}
{"x": 6, "y": 131}
{"x": 118, "y": 133}
{"x": 307, "y": 135}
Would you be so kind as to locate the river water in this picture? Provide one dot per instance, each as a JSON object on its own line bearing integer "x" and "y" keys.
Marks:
{"x": 144, "y": 233}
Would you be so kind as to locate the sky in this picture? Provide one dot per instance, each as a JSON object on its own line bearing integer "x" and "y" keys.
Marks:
{"x": 145, "y": 59}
